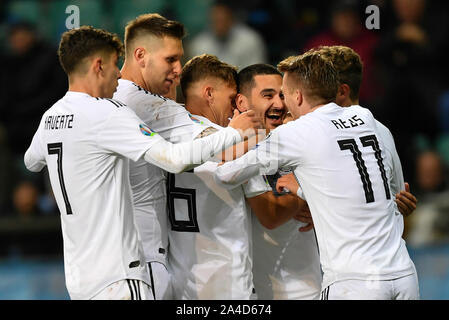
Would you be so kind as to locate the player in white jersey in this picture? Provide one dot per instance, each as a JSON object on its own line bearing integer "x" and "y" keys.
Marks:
{"x": 210, "y": 234}
{"x": 286, "y": 261}
{"x": 152, "y": 65}
{"x": 279, "y": 271}
{"x": 345, "y": 175}
{"x": 350, "y": 71}
{"x": 86, "y": 139}
{"x": 210, "y": 237}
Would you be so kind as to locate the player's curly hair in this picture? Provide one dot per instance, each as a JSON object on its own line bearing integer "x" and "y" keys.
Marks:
{"x": 77, "y": 44}
{"x": 206, "y": 66}
{"x": 152, "y": 24}
{"x": 314, "y": 74}
{"x": 348, "y": 64}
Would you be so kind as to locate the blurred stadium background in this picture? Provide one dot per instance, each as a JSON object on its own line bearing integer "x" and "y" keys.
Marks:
{"x": 405, "y": 86}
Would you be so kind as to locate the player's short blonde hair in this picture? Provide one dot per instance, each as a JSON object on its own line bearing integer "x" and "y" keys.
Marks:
{"x": 348, "y": 64}
{"x": 206, "y": 66}
{"x": 314, "y": 74}
{"x": 152, "y": 24}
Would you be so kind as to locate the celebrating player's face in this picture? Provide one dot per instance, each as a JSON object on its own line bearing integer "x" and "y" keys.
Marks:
{"x": 290, "y": 97}
{"x": 110, "y": 75}
{"x": 162, "y": 64}
{"x": 267, "y": 100}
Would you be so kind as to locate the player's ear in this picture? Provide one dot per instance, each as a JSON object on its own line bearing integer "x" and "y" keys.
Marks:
{"x": 343, "y": 92}
{"x": 139, "y": 56}
{"x": 208, "y": 94}
{"x": 241, "y": 102}
{"x": 96, "y": 65}
{"x": 299, "y": 97}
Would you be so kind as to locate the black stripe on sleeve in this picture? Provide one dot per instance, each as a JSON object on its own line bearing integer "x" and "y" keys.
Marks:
{"x": 133, "y": 282}
{"x": 138, "y": 282}
{"x": 130, "y": 289}
{"x": 152, "y": 280}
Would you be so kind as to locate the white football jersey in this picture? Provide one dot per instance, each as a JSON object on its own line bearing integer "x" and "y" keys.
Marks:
{"x": 173, "y": 122}
{"x": 286, "y": 263}
{"x": 342, "y": 165}
{"x": 210, "y": 236}
{"x": 85, "y": 143}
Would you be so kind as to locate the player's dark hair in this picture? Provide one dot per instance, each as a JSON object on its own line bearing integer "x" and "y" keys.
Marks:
{"x": 314, "y": 74}
{"x": 245, "y": 77}
{"x": 206, "y": 66}
{"x": 80, "y": 43}
{"x": 153, "y": 24}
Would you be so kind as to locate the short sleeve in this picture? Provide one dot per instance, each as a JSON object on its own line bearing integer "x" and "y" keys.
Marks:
{"x": 35, "y": 155}
{"x": 125, "y": 134}
{"x": 255, "y": 186}
{"x": 174, "y": 123}
{"x": 265, "y": 159}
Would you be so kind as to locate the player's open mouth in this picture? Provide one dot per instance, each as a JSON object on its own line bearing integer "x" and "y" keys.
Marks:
{"x": 275, "y": 115}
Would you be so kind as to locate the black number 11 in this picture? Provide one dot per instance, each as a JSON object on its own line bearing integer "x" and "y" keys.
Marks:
{"x": 367, "y": 141}
{"x": 56, "y": 148}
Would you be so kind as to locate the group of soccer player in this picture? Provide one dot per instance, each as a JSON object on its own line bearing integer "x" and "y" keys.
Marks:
{"x": 164, "y": 201}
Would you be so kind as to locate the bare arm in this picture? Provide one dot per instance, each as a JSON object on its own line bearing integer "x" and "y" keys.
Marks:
{"x": 274, "y": 211}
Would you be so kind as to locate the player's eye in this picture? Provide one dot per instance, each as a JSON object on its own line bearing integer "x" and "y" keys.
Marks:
{"x": 171, "y": 59}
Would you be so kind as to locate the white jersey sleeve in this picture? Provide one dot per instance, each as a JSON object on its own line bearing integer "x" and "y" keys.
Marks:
{"x": 255, "y": 187}
{"x": 268, "y": 156}
{"x": 124, "y": 133}
{"x": 166, "y": 117}
{"x": 34, "y": 158}
{"x": 180, "y": 157}
{"x": 124, "y": 126}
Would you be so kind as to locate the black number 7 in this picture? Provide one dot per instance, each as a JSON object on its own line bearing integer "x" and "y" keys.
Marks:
{"x": 56, "y": 148}
{"x": 367, "y": 141}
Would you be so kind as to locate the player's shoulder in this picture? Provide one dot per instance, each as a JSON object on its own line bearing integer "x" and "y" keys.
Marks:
{"x": 105, "y": 106}
{"x": 203, "y": 121}
{"x": 128, "y": 90}
{"x": 362, "y": 110}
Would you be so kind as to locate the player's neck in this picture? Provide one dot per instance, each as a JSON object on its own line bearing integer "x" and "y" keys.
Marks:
{"x": 349, "y": 102}
{"x": 85, "y": 85}
{"x": 130, "y": 73}
{"x": 197, "y": 106}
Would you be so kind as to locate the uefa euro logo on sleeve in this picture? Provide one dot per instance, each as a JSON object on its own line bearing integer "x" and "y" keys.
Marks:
{"x": 146, "y": 131}
{"x": 196, "y": 120}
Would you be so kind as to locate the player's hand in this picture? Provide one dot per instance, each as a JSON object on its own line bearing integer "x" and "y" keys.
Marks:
{"x": 288, "y": 182}
{"x": 304, "y": 216}
{"x": 406, "y": 201}
{"x": 245, "y": 122}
